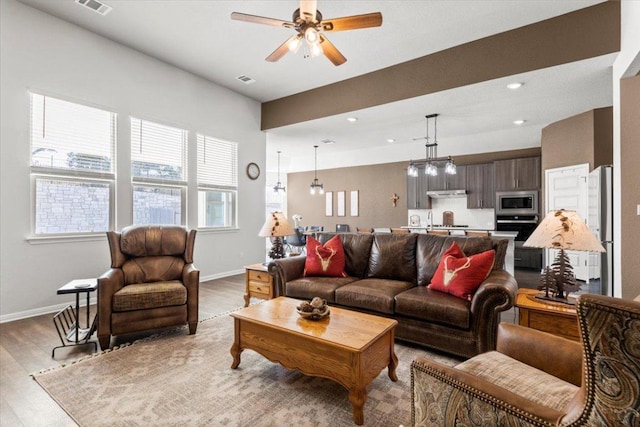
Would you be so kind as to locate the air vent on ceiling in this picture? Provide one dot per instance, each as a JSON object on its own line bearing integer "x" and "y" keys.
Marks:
{"x": 246, "y": 79}
{"x": 328, "y": 141}
{"x": 96, "y": 6}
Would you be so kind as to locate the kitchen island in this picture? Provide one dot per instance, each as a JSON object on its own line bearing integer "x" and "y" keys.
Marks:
{"x": 496, "y": 235}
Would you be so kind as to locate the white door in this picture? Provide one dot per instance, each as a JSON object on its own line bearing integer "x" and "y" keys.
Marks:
{"x": 568, "y": 188}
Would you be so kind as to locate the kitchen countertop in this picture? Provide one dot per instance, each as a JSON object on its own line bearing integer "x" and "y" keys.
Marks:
{"x": 494, "y": 233}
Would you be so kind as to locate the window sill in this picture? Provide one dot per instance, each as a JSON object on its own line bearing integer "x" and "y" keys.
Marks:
{"x": 45, "y": 240}
{"x": 211, "y": 230}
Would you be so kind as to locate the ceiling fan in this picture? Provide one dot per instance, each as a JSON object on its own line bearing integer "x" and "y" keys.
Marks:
{"x": 309, "y": 26}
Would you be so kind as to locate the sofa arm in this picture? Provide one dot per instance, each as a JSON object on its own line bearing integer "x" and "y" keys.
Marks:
{"x": 496, "y": 294}
{"x": 191, "y": 281}
{"x": 285, "y": 270}
{"x": 536, "y": 348}
{"x": 445, "y": 396}
{"x": 108, "y": 284}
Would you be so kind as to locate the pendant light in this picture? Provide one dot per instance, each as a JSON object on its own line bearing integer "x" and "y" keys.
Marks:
{"x": 431, "y": 155}
{"x": 279, "y": 185}
{"x": 315, "y": 185}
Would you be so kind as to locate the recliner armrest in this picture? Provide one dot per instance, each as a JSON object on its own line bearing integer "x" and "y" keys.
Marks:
{"x": 108, "y": 284}
{"x": 555, "y": 355}
{"x": 191, "y": 281}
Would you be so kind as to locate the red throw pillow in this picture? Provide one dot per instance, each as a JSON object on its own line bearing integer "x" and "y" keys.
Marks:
{"x": 460, "y": 275}
{"x": 324, "y": 260}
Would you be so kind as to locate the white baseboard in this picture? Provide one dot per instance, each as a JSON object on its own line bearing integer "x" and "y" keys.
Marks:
{"x": 55, "y": 308}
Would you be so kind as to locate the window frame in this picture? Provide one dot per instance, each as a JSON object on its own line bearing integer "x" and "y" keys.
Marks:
{"x": 182, "y": 184}
{"x": 227, "y": 189}
{"x": 37, "y": 172}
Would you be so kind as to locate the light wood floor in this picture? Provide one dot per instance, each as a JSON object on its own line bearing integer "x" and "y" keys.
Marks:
{"x": 25, "y": 348}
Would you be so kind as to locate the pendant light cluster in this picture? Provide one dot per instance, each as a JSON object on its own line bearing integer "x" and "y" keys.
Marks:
{"x": 315, "y": 185}
{"x": 431, "y": 153}
{"x": 278, "y": 187}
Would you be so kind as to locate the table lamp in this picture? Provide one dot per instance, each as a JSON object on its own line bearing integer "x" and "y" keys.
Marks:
{"x": 276, "y": 226}
{"x": 564, "y": 230}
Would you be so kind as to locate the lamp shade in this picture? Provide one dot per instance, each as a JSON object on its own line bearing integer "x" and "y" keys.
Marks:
{"x": 276, "y": 225}
{"x": 562, "y": 229}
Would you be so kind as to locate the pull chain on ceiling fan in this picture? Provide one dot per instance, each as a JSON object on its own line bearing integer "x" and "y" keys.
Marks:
{"x": 309, "y": 25}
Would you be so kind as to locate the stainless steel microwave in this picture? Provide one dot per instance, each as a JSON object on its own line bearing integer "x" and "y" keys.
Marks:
{"x": 517, "y": 202}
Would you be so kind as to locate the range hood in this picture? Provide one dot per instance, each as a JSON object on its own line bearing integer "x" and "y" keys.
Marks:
{"x": 444, "y": 194}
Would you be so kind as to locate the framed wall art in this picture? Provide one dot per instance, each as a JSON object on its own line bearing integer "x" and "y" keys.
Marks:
{"x": 328, "y": 203}
{"x": 354, "y": 203}
{"x": 341, "y": 203}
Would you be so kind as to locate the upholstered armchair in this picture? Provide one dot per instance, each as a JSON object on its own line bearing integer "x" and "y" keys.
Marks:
{"x": 152, "y": 282}
{"x": 537, "y": 379}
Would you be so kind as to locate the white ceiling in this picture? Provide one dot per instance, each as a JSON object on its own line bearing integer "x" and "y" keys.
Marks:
{"x": 199, "y": 36}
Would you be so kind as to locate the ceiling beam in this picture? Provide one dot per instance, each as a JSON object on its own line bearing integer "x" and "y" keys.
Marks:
{"x": 578, "y": 35}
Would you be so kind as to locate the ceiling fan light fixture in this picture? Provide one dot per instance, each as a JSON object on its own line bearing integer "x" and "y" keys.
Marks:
{"x": 315, "y": 50}
{"x": 294, "y": 44}
{"x": 311, "y": 36}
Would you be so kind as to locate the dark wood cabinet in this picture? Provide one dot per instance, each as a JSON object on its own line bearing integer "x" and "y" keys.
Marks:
{"x": 444, "y": 181}
{"x": 480, "y": 190}
{"x": 417, "y": 191}
{"x": 517, "y": 174}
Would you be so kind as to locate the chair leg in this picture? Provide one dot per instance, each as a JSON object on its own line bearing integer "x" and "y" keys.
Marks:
{"x": 105, "y": 341}
{"x": 192, "y": 327}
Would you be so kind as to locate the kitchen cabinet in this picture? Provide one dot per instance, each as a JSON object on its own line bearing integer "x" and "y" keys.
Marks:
{"x": 530, "y": 258}
{"x": 517, "y": 174}
{"x": 444, "y": 181}
{"x": 417, "y": 191}
{"x": 480, "y": 190}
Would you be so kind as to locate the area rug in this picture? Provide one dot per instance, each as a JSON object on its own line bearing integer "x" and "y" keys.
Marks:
{"x": 177, "y": 379}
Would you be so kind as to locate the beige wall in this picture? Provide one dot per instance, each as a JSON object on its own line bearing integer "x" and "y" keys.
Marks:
{"x": 630, "y": 187}
{"x": 584, "y": 138}
{"x": 375, "y": 183}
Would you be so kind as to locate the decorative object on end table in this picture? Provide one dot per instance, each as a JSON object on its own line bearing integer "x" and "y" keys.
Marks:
{"x": 314, "y": 310}
{"x": 276, "y": 226}
{"x": 564, "y": 230}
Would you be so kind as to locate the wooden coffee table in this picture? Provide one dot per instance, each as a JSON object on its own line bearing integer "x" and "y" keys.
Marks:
{"x": 348, "y": 347}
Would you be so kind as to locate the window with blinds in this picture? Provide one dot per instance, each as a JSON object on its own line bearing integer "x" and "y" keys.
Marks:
{"x": 217, "y": 182}
{"x": 158, "y": 172}
{"x": 72, "y": 167}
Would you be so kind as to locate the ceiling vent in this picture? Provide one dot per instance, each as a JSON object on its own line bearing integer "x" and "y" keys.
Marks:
{"x": 246, "y": 79}
{"x": 96, "y": 6}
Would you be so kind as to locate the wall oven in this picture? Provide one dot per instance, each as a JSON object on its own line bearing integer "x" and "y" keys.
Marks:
{"x": 524, "y": 225}
{"x": 517, "y": 202}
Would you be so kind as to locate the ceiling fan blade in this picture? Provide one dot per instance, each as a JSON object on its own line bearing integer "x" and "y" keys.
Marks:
{"x": 261, "y": 20}
{"x": 282, "y": 50}
{"x": 352, "y": 22}
{"x": 331, "y": 52}
{"x": 308, "y": 9}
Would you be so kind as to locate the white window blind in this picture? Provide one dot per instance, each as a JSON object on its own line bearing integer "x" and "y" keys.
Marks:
{"x": 72, "y": 167}
{"x": 158, "y": 152}
{"x": 217, "y": 163}
{"x": 71, "y": 136}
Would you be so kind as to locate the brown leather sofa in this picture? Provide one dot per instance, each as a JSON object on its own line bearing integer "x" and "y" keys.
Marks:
{"x": 152, "y": 282}
{"x": 387, "y": 276}
{"x": 538, "y": 379}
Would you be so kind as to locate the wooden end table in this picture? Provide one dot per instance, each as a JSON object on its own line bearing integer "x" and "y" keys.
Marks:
{"x": 259, "y": 283}
{"x": 555, "y": 318}
{"x": 348, "y": 347}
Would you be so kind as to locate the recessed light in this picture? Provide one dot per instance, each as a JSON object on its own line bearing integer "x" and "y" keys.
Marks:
{"x": 519, "y": 122}
{"x": 352, "y": 119}
{"x": 390, "y": 140}
{"x": 515, "y": 85}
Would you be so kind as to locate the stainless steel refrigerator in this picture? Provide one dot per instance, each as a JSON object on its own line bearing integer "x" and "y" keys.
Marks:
{"x": 600, "y": 222}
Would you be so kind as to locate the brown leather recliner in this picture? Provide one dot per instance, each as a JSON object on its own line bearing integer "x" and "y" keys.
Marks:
{"x": 538, "y": 379}
{"x": 152, "y": 282}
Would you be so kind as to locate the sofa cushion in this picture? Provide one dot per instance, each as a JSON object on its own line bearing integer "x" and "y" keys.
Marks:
{"x": 519, "y": 378}
{"x": 324, "y": 260}
{"x": 372, "y": 294}
{"x": 142, "y": 296}
{"x": 310, "y": 287}
{"x": 431, "y": 247}
{"x": 357, "y": 248}
{"x": 393, "y": 256}
{"x": 460, "y": 275}
{"x": 422, "y": 303}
